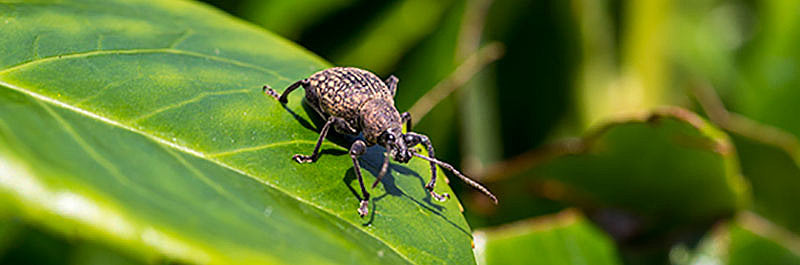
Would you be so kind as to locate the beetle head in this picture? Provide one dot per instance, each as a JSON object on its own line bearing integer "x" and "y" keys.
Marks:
{"x": 393, "y": 140}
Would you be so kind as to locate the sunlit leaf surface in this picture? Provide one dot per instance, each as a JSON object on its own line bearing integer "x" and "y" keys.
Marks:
{"x": 142, "y": 124}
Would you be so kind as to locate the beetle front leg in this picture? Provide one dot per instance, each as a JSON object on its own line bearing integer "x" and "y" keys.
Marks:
{"x": 357, "y": 149}
{"x": 314, "y": 155}
{"x": 414, "y": 139}
{"x": 282, "y": 98}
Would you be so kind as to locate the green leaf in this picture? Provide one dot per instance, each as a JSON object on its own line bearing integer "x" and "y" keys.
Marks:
{"x": 565, "y": 238}
{"x": 668, "y": 164}
{"x": 754, "y": 81}
{"x": 710, "y": 50}
{"x": 769, "y": 160}
{"x": 142, "y": 124}
{"x": 765, "y": 90}
{"x": 775, "y": 178}
{"x": 32, "y": 245}
{"x": 748, "y": 239}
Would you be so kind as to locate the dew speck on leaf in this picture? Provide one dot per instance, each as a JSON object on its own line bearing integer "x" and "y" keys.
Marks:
{"x": 268, "y": 211}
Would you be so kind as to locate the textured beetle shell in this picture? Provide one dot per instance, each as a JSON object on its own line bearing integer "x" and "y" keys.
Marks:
{"x": 377, "y": 116}
{"x": 345, "y": 91}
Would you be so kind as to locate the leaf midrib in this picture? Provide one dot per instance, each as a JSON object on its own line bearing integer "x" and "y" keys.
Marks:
{"x": 164, "y": 142}
{"x": 143, "y": 51}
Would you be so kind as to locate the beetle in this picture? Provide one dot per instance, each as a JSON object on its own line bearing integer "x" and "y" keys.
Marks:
{"x": 354, "y": 101}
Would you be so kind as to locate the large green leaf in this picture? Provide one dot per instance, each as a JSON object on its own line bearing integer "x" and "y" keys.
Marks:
{"x": 142, "y": 124}
{"x": 30, "y": 245}
{"x": 565, "y": 238}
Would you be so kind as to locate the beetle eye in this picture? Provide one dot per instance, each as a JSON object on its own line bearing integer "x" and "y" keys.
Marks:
{"x": 387, "y": 137}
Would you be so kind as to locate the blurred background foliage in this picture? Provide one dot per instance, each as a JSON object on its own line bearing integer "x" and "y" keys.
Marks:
{"x": 560, "y": 105}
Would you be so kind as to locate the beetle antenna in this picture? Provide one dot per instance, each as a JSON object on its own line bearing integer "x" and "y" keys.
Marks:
{"x": 466, "y": 179}
{"x": 384, "y": 167}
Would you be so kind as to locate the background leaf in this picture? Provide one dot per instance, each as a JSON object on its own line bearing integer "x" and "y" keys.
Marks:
{"x": 639, "y": 162}
{"x": 747, "y": 239}
{"x": 635, "y": 176}
{"x": 146, "y": 129}
{"x": 565, "y": 238}
{"x": 775, "y": 176}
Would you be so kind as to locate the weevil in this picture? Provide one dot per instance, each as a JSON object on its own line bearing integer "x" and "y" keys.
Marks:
{"x": 354, "y": 101}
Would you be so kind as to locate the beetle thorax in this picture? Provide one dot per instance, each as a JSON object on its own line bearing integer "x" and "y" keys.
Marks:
{"x": 377, "y": 116}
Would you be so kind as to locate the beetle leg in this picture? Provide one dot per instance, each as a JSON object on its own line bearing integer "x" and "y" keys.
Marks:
{"x": 391, "y": 82}
{"x": 384, "y": 167}
{"x": 314, "y": 155}
{"x": 282, "y": 97}
{"x": 406, "y": 117}
{"x": 357, "y": 149}
{"x": 466, "y": 179}
{"x": 421, "y": 138}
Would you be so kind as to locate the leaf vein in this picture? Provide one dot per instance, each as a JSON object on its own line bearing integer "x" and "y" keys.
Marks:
{"x": 100, "y": 92}
{"x": 86, "y": 147}
{"x": 143, "y": 51}
{"x": 185, "y": 35}
{"x": 262, "y": 147}
{"x": 100, "y": 38}
{"x": 218, "y": 188}
{"x": 186, "y": 102}
{"x": 35, "y": 46}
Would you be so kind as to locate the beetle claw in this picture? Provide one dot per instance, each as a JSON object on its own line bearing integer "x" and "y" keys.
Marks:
{"x": 440, "y": 198}
{"x": 364, "y": 209}
{"x": 302, "y": 158}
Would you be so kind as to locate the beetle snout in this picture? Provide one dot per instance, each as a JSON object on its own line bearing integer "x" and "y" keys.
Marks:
{"x": 403, "y": 156}
{"x": 400, "y": 153}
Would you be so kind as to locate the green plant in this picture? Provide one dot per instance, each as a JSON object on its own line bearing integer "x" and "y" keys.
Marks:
{"x": 142, "y": 125}
{"x": 635, "y": 132}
